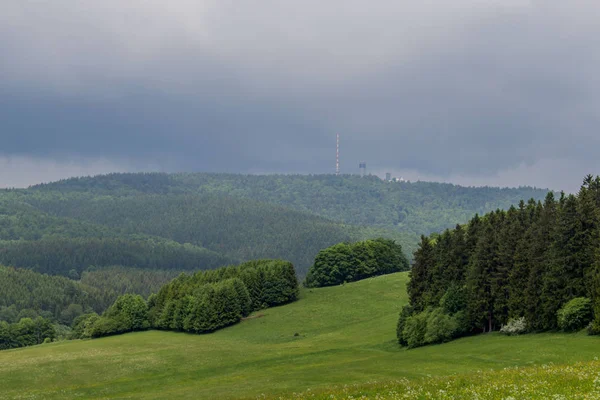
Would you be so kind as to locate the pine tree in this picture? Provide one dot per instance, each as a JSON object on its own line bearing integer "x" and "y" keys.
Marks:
{"x": 421, "y": 275}
{"x": 482, "y": 271}
{"x": 509, "y": 235}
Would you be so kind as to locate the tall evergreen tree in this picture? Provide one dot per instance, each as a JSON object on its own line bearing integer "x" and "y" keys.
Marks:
{"x": 421, "y": 275}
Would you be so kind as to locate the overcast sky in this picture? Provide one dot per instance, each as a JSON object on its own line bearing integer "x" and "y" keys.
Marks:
{"x": 475, "y": 92}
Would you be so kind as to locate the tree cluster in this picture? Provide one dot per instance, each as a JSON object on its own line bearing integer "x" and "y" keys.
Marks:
{"x": 26, "y": 332}
{"x": 198, "y": 303}
{"x": 210, "y": 300}
{"x": 348, "y": 262}
{"x": 528, "y": 262}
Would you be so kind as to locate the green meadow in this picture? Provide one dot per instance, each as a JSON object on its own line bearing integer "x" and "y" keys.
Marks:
{"x": 337, "y": 341}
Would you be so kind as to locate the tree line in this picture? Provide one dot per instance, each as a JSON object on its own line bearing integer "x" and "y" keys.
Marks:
{"x": 26, "y": 332}
{"x": 349, "y": 262}
{"x": 535, "y": 265}
{"x": 199, "y": 303}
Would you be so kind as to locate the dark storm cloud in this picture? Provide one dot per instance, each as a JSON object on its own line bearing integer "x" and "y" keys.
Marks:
{"x": 498, "y": 92}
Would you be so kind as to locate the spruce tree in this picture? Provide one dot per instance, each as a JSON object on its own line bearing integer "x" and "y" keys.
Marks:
{"x": 482, "y": 271}
{"x": 420, "y": 275}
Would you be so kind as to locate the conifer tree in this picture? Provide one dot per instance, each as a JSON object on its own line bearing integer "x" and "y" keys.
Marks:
{"x": 421, "y": 275}
{"x": 482, "y": 270}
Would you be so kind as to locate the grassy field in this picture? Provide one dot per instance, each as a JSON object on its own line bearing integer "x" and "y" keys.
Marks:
{"x": 343, "y": 335}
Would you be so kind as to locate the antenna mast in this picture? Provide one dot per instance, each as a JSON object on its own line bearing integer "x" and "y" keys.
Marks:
{"x": 337, "y": 155}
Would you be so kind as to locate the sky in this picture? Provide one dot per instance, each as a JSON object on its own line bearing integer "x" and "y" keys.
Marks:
{"x": 474, "y": 92}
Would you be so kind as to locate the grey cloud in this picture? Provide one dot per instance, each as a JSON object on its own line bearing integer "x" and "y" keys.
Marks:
{"x": 19, "y": 171}
{"x": 465, "y": 90}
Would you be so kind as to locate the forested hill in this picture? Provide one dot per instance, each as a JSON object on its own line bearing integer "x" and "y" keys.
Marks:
{"x": 410, "y": 207}
{"x": 65, "y": 232}
{"x": 202, "y": 221}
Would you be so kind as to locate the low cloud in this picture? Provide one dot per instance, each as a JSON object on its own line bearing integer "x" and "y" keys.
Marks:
{"x": 23, "y": 171}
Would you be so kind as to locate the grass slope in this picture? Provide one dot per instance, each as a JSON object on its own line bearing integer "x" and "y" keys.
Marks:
{"x": 346, "y": 336}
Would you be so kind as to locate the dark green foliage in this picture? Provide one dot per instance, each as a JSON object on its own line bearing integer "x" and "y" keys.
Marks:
{"x": 575, "y": 315}
{"x": 454, "y": 300}
{"x": 522, "y": 264}
{"x": 415, "y": 208}
{"x": 115, "y": 281}
{"x": 210, "y": 300}
{"x": 83, "y": 326}
{"x": 26, "y": 332}
{"x": 24, "y": 293}
{"x": 406, "y": 312}
{"x": 236, "y": 229}
{"x": 229, "y": 214}
{"x": 421, "y": 276}
{"x": 348, "y": 262}
{"x": 71, "y": 256}
{"x": 415, "y": 328}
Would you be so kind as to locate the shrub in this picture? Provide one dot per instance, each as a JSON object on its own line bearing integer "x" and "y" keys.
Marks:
{"x": 593, "y": 328}
{"x": 83, "y": 326}
{"x": 414, "y": 331}
{"x": 406, "y": 312}
{"x": 575, "y": 315}
{"x": 440, "y": 327}
{"x": 514, "y": 326}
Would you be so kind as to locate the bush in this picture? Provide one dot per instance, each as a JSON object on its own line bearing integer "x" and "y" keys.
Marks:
{"x": 128, "y": 313}
{"x": 406, "y": 312}
{"x": 440, "y": 327}
{"x": 575, "y": 315}
{"x": 83, "y": 326}
{"x": 415, "y": 329}
{"x": 514, "y": 326}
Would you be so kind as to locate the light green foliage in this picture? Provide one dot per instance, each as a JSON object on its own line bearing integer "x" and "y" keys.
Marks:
{"x": 346, "y": 337}
{"x": 83, "y": 326}
{"x": 575, "y": 315}
{"x": 566, "y": 382}
{"x": 429, "y": 327}
{"x": 441, "y": 327}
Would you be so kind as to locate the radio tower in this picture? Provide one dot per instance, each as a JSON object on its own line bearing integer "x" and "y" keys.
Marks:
{"x": 337, "y": 155}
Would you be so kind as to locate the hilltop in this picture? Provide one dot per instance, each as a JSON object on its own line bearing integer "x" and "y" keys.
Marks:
{"x": 242, "y": 217}
{"x": 411, "y": 207}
